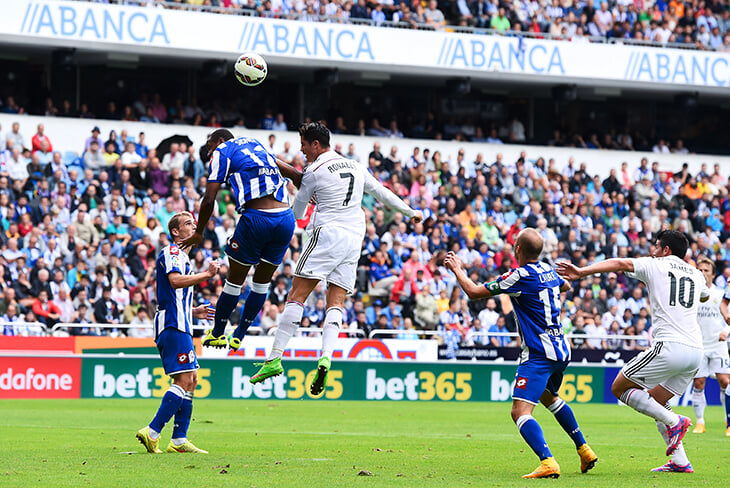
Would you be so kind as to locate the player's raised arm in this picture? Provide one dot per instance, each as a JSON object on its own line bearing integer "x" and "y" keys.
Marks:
{"x": 289, "y": 171}
{"x": 473, "y": 290}
{"x": 572, "y": 272}
{"x": 382, "y": 194}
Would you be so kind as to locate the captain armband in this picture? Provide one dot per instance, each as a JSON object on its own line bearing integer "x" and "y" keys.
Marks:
{"x": 494, "y": 288}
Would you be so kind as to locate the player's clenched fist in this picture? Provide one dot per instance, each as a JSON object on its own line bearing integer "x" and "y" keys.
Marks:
{"x": 452, "y": 261}
{"x": 213, "y": 268}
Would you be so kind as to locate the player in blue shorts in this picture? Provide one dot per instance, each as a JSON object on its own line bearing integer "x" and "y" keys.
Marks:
{"x": 173, "y": 335}
{"x": 534, "y": 289}
{"x": 263, "y": 232}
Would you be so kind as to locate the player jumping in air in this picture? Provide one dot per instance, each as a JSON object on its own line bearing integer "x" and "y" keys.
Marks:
{"x": 534, "y": 289}
{"x": 713, "y": 319}
{"x": 653, "y": 377}
{"x": 336, "y": 231}
{"x": 263, "y": 232}
{"x": 173, "y": 335}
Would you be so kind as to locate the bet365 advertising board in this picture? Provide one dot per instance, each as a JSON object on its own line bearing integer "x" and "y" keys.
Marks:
{"x": 143, "y": 377}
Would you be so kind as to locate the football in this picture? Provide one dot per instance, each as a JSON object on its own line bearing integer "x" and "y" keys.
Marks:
{"x": 250, "y": 69}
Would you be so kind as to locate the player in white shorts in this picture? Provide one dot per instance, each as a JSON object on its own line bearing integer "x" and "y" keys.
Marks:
{"x": 653, "y": 377}
{"x": 713, "y": 319}
{"x": 337, "y": 230}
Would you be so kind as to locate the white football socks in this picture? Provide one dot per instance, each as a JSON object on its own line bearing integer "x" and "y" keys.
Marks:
{"x": 643, "y": 402}
{"x": 290, "y": 320}
{"x": 331, "y": 330}
{"x": 698, "y": 404}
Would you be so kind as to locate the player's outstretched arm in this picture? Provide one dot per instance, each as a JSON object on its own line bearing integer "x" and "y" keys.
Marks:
{"x": 382, "y": 194}
{"x": 572, "y": 272}
{"x": 178, "y": 280}
{"x": 473, "y": 291}
{"x": 290, "y": 172}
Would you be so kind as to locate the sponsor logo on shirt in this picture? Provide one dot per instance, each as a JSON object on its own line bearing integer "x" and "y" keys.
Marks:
{"x": 521, "y": 383}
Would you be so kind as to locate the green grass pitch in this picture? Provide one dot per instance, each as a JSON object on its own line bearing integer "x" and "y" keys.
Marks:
{"x": 57, "y": 443}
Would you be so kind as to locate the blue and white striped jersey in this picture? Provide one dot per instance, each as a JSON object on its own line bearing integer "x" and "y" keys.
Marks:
{"x": 249, "y": 169}
{"x": 534, "y": 290}
{"x": 174, "y": 306}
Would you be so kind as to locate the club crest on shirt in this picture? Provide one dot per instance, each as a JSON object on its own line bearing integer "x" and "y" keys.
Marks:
{"x": 521, "y": 383}
{"x": 182, "y": 358}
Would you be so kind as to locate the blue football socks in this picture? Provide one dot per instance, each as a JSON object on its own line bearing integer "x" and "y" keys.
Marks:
{"x": 565, "y": 417}
{"x": 171, "y": 402}
{"x": 182, "y": 417}
{"x": 252, "y": 307}
{"x": 225, "y": 306}
{"x": 531, "y": 431}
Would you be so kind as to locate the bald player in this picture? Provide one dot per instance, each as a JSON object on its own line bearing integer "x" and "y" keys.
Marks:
{"x": 534, "y": 289}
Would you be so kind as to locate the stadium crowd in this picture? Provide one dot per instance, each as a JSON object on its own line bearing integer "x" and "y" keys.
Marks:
{"x": 696, "y": 23}
{"x": 511, "y": 130}
{"x": 80, "y": 236}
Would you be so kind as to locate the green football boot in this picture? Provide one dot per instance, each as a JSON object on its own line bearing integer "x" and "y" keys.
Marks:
{"x": 268, "y": 369}
{"x": 319, "y": 383}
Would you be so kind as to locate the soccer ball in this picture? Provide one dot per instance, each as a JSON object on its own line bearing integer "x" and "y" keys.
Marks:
{"x": 250, "y": 69}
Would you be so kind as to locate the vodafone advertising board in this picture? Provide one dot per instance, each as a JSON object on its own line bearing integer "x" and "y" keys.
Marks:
{"x": 39, "y": 377}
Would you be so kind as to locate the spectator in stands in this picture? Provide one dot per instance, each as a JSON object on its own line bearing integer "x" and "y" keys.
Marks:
{"x": 500, "y": 22}
{"x": 499, "y": 327}
{"x": 105, "y": 309}
{"x": 433, "y": 16}
{"x": 47, "y": 311}
{"x": 38, "y": 138}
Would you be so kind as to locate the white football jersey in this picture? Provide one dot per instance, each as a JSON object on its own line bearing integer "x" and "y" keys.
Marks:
{"x": 712, "y": 323}
{"x": 675, "y": 288}
{"x": 337, "y": 185}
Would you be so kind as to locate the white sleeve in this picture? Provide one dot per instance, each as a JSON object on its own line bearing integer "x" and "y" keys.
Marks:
{"x": 641, "y": 269}
{"x": 382, "y": 194}
{"x": 304, "y": 195}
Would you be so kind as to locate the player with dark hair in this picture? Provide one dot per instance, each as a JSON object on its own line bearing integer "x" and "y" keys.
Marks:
{"x": 173, "y": 335}
{"x": 534, "y": 289}
{"x": 653, "y": 377}
{"x": 336, "y": 232}
{"x": 713, "y": 319}
{"x": 263, "y": 232}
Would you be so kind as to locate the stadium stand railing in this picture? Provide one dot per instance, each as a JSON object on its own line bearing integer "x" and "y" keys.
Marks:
{"x": 374, "y": 334}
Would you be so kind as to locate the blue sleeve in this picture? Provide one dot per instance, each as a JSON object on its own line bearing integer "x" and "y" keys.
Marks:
{"x": 511, "y": 283}
{"x": 171, "y": 260}
{"x": 218, "y": 166}
{"x": 561, "y": 281}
